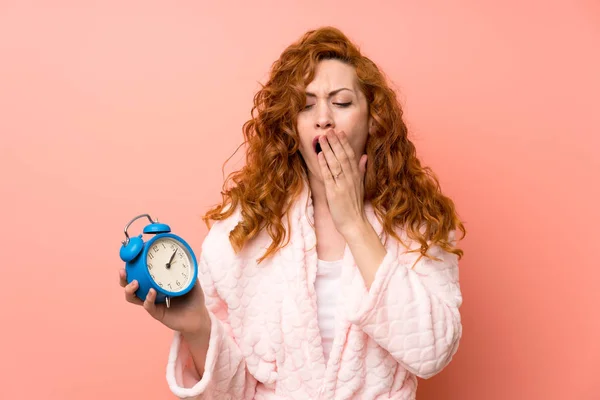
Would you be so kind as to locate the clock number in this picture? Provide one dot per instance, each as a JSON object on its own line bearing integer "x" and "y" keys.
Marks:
{"x": 170, "y": 287}
{"x": 160, "y": 284}
{"x": 153, "y": 277}
{"x": 180, "y": 255}
{"x": 150, "y": 266}
{"x": 155, "y": 247}
{"x": 184, "y": 274}
{"x": 151, "y": 256}
{"x": 178, "y": 283}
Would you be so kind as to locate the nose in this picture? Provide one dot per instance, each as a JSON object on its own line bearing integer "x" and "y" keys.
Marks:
{"x": 324, "y": 119}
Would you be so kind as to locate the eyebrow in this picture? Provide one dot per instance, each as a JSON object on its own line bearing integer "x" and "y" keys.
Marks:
{"x": 332, "y": 93}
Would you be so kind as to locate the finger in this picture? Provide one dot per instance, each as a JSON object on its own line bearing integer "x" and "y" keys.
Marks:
{"x": 325, "y": 172}
{"x": 334, "y": 166}
{"x": 150, "y": 305}
{"x": 362, "y": 166}
{"x": 130, "y": 293}
{"x": 350, "y": 155}
{"x": 348, "y": 165}
{"x": 122, "y": 278}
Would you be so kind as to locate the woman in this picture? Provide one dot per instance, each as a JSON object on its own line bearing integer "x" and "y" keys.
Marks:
{"x": 331, "y": 270}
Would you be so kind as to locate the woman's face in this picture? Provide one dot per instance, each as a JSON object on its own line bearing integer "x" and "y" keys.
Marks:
{"x": 333, "y": 101}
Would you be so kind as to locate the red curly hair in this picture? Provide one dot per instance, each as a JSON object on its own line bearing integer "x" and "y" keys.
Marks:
{"x": 401, "y": 191}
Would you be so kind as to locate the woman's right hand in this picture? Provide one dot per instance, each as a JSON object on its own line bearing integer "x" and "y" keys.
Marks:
{"x": 187, "y": 314}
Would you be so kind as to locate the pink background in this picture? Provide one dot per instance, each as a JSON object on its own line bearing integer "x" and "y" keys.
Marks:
{"x": 103, "y": 105}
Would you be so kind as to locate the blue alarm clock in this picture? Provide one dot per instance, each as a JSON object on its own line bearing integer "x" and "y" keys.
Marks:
{"x": 165, "y": 262}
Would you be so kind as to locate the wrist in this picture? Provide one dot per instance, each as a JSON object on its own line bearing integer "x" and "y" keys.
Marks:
{"x": 357, "y": 231}
{"x": 201, "y": 332}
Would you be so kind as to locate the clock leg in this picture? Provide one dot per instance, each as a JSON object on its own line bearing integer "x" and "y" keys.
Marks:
{"x": 168, "y": 300}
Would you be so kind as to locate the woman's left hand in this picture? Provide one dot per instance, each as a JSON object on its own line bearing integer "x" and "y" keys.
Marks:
{"x": 344, "y": 181}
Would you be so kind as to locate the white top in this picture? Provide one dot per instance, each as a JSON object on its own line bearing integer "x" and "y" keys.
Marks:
{"x": 327, "y": 286}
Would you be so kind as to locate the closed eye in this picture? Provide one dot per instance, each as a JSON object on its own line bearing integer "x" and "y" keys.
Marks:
{"x": 343, "y": 105}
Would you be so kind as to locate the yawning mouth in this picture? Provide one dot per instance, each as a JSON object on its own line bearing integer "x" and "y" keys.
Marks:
{"x": 316, "y": 145}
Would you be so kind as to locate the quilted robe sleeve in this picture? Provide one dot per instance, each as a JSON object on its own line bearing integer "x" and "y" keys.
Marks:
{"x": 225, "y": 373}
{"x": 412, "y": 309}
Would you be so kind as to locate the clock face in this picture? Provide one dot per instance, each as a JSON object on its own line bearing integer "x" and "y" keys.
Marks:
{"x": 169, "y": 264}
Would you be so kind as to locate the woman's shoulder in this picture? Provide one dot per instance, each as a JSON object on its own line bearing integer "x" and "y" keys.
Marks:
{"x": 216, "y": 244}
{"x": 409, "y": 246}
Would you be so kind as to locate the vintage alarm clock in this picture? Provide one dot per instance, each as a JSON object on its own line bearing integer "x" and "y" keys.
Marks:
{"x": 165, "y": 262}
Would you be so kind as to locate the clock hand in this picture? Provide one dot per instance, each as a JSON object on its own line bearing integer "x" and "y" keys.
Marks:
{"x": 171, "y": 259}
